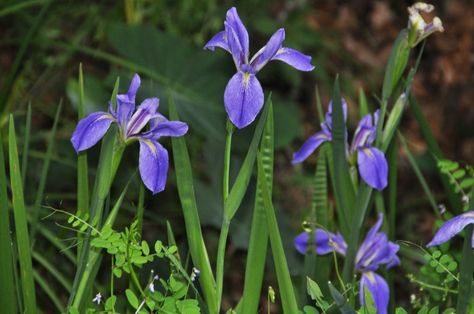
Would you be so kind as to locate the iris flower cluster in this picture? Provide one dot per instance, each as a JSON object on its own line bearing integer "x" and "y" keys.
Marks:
{"x": 153, "y": 159}
{"x": 374, "y": 251}
{"x": 371, "y": 161}
{"x": 243, "y": 96}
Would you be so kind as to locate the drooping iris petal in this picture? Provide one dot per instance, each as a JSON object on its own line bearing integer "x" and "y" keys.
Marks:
{"x": 325, "y": 242}
{"x": 393, "y": 258}
{"x": 268, "y": 51}
{"x": 378, "y": 287}
{"x": 373, "y": 167}
{"x": 145, "y": 112}
{"x": 126, "y": 102}
{"x": 243, "y": 99}
{"x": 241, "y": 35}
{"x": 90, "y": 130}
{"x": 308, "y": 147}
{"x": 294, "y": 58}
{"x": 452, "y": 227}
{"x": 219, "y": 40}
{"x": 153, "y": 165}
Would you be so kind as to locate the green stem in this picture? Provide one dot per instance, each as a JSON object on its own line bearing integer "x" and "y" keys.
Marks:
{"x": 220, "y": 259}
{"x": 226, "y": 222}
{"x": 228, "y": 146}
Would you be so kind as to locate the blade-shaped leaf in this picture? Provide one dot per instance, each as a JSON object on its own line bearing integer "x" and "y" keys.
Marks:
{"x": 21, "y": 226}
{"x": 340, "y": 300}
{"x": 7, "y": 287}
{"x": 257, "y": 252}
{"x": 197, "y": 247}
{"x": 287, "y": 294}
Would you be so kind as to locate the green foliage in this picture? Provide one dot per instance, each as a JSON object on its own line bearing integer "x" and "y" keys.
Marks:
{"x": 460, "y": 177}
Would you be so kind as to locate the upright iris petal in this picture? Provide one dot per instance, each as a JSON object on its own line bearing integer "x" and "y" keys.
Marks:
{"x": 153, "y": 160}
{"x": 374, "y": 251}
{"x": 243, "y": 96}
{"x": 452, "y": 227}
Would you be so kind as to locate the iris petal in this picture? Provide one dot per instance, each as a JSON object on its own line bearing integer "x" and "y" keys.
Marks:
{"x": 311, "y": 144}
{"x": 243, "y": 99}
{"x": 219, "y": 40}
{"x": 90, "y": 130}
{"x": 373, "y": 167}
{"x": 241, "y": 35}
{"x": 166, "y": 128}
{"x": 145, "y": 112}
{"x": 153, "y": 165}
{"x": 329, "y": 113}
{"x": 126, "y": 102}
{"x": 294, "y": 58}
{"x": 325, "y": 242}
{"x": 378, "y": 287}
{"x": 452, "y": 227}
{"x": 269, "y": 50}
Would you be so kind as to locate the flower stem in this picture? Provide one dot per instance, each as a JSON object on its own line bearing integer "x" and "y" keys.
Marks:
{"x": 226, "y": 222}
{"x": 228, "y": 146}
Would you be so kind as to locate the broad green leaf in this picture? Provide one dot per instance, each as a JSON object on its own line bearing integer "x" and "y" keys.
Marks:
{"x": 257, "y": 252}
{"x": 21, "y": 226}
{"x": 197, "y": 247}
{"x": 7, "y": 288}
{"x": 132, "y": 298}
{"x": 287, "y": 294}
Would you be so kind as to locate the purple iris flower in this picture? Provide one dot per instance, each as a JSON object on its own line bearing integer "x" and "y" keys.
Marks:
{"x": 371, "y": 161}
{"x": 452, "y": 227}
{"x": 243, "y": 96}
{"x": 374, "y": 251}
{"x": 153, "y": 160}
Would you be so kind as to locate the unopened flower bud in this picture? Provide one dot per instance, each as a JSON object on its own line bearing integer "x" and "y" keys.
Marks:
{"x": 417, "y": 26}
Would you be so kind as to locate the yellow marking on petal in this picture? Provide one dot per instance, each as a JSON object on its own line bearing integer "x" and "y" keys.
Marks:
{"x": 246, "y": 78}
{"x": 368, "y": 153}
{"x": 105, "y": 116}
{"x": 470, "y": 215}
{"x": 152, "y": 147}
{"x": 371, "y": 277}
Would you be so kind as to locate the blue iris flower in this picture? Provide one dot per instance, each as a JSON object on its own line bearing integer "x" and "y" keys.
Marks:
{"x": 153, "y": 159}
{"x": 452, "y": 227}
{"x": 374, "y": 251}
{"x": 243, "y": 96}
{"x": 373, "y": 167}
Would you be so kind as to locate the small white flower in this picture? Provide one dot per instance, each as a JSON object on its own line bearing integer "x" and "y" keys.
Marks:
{"x": 152, "y": 287}
{"x": 465, "y": 199}
{"x": 418, "y": 27}
{"x": 98, "y": 298}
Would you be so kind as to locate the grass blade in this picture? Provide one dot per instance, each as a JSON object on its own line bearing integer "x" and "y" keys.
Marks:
{"x": 257, "y": 252}
{"x": 51, "y": 268}
{"x": 21, "y": 226}
{"x": 48, "y": 290}
{"x": 44, "y": 173}
{"x": 7, "y": 288}
{"x": 344, "y": 190}
{"x": 287, "y": 294}
{"x": 340, "y": 300}
{"x": 82, "y": 167}
{"x": 197, "y": 247}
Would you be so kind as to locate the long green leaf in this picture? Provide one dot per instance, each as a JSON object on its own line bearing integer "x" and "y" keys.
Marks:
{"x": 287, "y": 294}
{"x": 7, "y": 287}
{"x": 48, "y": 290}
{"x": 197, "y": 247}
{"x": 340, "y": 300}
{"x": 396, "y": 64}
{"x": 82, "y": 167}
{"x": 466, "y": 267}
{"x": 344, "y": 191}
{"x": 44, "y": 172}
{"x": 21, "y": 226}
{"x": 257, "y": 252}
{"x": 53, "y": 270}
